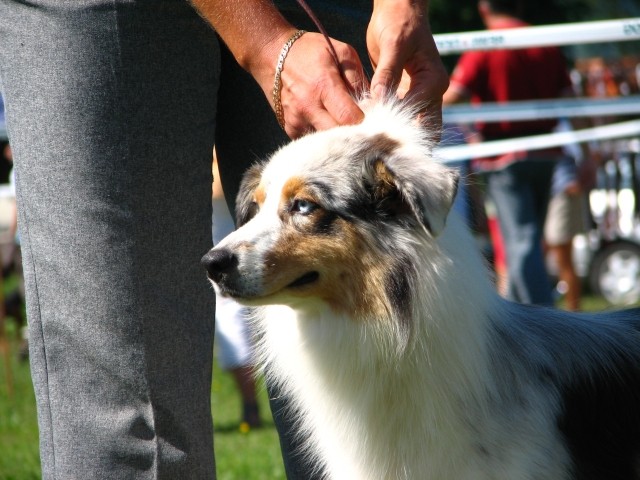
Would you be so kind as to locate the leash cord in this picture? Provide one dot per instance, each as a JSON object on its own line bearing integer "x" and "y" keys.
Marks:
{"x": 322, "y": 30}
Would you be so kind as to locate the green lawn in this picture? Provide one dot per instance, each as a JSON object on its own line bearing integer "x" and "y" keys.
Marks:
{"x": 18, "y": 426}
{"x": 243, "y": 456}
{"x": 254, "y": 455}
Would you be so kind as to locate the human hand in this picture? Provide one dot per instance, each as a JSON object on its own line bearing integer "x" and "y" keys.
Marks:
{"x": 405, "y": 57}
{"x": 314, "y": 95}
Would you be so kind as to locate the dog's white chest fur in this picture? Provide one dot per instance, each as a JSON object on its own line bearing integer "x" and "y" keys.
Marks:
{"x": 370, "y": 412}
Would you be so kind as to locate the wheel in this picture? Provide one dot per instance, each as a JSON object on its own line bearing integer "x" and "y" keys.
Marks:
{"x": 615, "y": 273}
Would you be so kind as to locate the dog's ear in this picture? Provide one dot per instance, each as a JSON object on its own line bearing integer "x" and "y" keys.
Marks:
{"x": 415, "y": 184}
{"x": 246, "y": 206}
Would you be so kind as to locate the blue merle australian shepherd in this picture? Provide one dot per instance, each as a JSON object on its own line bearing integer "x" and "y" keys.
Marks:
{"x": 378, "y": 317}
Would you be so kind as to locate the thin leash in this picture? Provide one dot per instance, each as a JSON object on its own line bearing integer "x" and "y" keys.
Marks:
{"x": 332, "y": 50}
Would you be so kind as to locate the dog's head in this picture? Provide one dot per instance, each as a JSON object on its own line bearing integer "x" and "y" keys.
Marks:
{"x": 333, "y": 217}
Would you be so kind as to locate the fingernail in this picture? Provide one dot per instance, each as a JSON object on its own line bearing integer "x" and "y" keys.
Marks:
{"x": 377, "y": 91}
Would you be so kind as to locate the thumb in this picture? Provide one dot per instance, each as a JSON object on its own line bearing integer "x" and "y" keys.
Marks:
{"x": 387, "y": 74}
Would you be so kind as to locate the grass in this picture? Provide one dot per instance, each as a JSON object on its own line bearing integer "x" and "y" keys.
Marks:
{"x": 254, "y": 455}
{"x": 18, "y": 425}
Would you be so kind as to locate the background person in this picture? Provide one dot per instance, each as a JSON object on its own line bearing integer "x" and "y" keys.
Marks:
{"x": 518, "y": 182}
{"x": 565, "y": 220}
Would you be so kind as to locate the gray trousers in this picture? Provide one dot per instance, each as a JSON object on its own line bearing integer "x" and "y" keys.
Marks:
{"x": 111, "y": 115}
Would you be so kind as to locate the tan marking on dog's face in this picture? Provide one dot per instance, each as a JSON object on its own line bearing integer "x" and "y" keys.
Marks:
{"x": 350, "y": 278}
{"x": 259, "y": 194}
{"x": 292, "y": 188}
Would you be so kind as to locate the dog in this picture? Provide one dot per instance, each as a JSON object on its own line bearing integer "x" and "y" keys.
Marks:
{"x": 378, "y": 318}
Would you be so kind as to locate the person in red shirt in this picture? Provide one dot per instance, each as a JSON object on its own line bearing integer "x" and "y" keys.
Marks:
{"x": 518, "y": 182}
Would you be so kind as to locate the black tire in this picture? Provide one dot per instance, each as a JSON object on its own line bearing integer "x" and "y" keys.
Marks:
{"x": 615, "y": 273}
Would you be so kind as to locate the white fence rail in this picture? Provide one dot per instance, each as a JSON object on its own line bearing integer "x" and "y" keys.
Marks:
{"x": 546, "y": 35}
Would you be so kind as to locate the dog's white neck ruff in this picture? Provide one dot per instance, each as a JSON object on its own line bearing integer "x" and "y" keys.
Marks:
{"x": 375, "y": 411}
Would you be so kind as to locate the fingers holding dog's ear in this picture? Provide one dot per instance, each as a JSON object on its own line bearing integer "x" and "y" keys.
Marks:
{"x": 314, "y": 94}
{"x": 404, "y": 55}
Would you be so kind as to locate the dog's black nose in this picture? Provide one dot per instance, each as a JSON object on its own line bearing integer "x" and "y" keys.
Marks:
{"x": 219, "y": 261}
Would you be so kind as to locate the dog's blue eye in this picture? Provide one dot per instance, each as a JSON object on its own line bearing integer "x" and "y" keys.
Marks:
{"x": 303, "y": 207}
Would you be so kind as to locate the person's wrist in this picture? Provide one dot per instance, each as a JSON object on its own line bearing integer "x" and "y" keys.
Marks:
{"x": 261, "y": 62}
{"x": 277, "y": 80}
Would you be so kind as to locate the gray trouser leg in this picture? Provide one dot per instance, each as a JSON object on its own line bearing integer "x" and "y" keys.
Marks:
{"x": 111, "y": 111}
